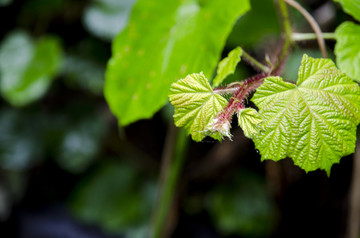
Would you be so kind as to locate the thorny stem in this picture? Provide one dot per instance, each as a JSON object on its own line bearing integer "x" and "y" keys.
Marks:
{"x": 255, "y": 63}
{"x": 226, "y": 90}
{"x": 314, "y": 25}
{"x": 237, "y": 101}
{"x": 312, "y": 36}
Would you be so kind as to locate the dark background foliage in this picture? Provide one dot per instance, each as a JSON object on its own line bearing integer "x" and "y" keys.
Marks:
{"x": 67, "y": 169}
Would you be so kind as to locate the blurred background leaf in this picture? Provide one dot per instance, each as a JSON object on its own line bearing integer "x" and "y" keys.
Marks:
{"x": 5, "y": 2}
{"x": 115, "y": 197}
{"x": 21, "y": 145}
{"x": 106, "y": 18}
{"x": 80, "y": 143}
{"x": 27, "y": 68}
{"x": 242, "y": 206}
{"x": 81, "y": 72}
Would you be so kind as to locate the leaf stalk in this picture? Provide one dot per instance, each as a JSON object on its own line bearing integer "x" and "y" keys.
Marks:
{"x": 314, "y": 25}
{"x": 255, "y": 63}
{"x": 312, "y": 36}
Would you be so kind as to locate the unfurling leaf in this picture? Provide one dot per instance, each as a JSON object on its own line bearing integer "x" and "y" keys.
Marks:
{"x": 227, "y": 66}
{"x": 313, "y": 122}
{"x": 249, "y": 121}
{"x": 347, "y": 49}
{"x": 195, "y": 105}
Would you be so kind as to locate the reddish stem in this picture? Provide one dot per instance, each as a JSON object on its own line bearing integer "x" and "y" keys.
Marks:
{"x": 237, "y": 102}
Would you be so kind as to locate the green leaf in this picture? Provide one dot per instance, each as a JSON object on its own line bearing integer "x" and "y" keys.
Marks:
{"x": 195, "y": 105}
{"x": 313, "y": 122}
{"x": 347, "y": 49}
{"x": 227, "y": 66}
{"x": 249, "y": 121}
{"x": 351, "y": 7}
{"x": 165, "y": 41}
{"x": 27, "y": 68}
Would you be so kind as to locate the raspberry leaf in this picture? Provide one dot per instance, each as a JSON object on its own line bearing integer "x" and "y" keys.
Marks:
{"x": 195, "y": 105}
{"x": 227, "y": 66}
{"x": 313, "y": 122}
{"x": 249, "y": 121}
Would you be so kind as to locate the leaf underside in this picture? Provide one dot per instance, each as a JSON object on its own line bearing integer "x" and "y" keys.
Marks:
{"x": 313, "y": 122}
{"x": 195, "y": 105}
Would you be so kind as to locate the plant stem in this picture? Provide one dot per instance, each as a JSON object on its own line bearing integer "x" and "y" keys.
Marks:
{"x": 284, "y": 18}
{"x": 354, "y": 201}
{"x": 314, "y": 25}
{"x": 172, "y": 162}
{"x": 255, "y": 63}
{"x": 225, "y": 90}
{"x": 237, "y": 101}
{"x": 312, "y": 36}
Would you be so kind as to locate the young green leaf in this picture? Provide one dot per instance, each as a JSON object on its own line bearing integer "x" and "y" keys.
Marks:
{"x": 249, "y": 121}
{"x": 164, "y": 41}
{"x": 227, "y": 66}
{"x": 351, "y": 7}
{"x": 347, "y": 49}
{"x": 195, "y": 105}
{"x": 313, "y": 122}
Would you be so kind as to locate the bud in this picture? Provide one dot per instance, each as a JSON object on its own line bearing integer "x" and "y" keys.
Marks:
{"x": 220, "y": 125}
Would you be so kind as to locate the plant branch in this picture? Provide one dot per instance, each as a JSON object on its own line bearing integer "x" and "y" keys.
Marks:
{"x": 172, "y": 161}
{"x": 254, "y": 62}
{"x": 312, "y": 36}
{"x": 314, "y": 25}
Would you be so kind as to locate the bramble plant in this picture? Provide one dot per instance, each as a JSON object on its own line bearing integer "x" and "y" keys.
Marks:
{"x": 313, "y": 122}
